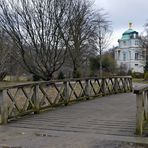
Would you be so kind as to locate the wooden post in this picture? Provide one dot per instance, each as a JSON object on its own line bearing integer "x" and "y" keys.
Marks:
{"x": 66, "y": 92}
{"x": 35, "y": 99}
{"x": 123, "y": 85}
{"x": 140, "y": 114}
{"x": 131, "y": 84}
{"x": 103, "y": 87}
{"x": 116, "y": 85}
{"x": 126, "y": 85}
{"x": 4, "y": 107}
{"x": 146, "y": 104}
{"x": 87, "y": 89}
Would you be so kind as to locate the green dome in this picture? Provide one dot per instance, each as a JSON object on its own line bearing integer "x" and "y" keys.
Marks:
{"x": 129, "y": 31}
{"x": 128, "y": 34}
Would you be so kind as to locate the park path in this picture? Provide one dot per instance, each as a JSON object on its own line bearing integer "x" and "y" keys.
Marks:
{"x": 103, "y": 122}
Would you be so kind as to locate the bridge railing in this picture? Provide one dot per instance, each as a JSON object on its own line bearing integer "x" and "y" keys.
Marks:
{"x": 19, "y": 100}
{"x": 142, "y": 108}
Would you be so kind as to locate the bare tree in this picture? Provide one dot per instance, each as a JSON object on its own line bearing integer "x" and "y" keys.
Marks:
{"x": 43, "y": 31}
{"x": 80, "y": 33}
{"x": 33, "y": 26}
{"x": 143, "y": 43}
{"x": 86, "y": 26}
{"x": 5, "y": 54}
{"x": 103, "y": 36}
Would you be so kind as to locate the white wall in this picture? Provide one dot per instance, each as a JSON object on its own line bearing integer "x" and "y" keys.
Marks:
{"x": 130, "y": 62}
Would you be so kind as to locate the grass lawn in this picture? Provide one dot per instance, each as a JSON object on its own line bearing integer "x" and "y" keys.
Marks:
{"x": 140, "y": 81}
{"x": 6, "y": 83}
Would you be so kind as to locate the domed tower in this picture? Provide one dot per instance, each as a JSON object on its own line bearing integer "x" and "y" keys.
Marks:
{"x": 129, "y": 38}
{"x": 129, "y": 54}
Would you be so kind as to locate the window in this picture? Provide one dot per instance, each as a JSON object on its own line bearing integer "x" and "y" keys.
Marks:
{"x": 136, "y": 42}
{"x": 136, "y": 64}
{"x": 124, "y": 56}
{"x": 129, "y": 55}
{"x": 136, "y": 56}
{"x": 118, "y": 54}
{"x": 124, "y": 43}
{"x": 135, "y": 35}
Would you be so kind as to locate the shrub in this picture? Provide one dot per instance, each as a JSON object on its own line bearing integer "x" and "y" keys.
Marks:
{"x": 129, "y": 72}
{"x": 137, "y": 75}
{"x": 146, "y": 76}
{"x": 77, "y": 74}
{"x": 36, "y": 78}
{"x": 61, "y": 75}
{"x": 146, "y": 67}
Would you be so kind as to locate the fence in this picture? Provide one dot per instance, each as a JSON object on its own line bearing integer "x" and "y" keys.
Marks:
{"x": 142, "y": 108}
{"x": 19, "y": 100}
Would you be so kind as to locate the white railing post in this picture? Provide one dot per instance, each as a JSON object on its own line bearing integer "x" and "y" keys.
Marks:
{"x": 3, "y": 107}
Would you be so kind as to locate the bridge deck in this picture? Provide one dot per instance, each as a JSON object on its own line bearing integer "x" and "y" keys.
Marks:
{"x": 82, "y": 124}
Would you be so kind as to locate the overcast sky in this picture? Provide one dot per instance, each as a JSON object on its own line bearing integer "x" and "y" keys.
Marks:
{"x": 121, "y": 12}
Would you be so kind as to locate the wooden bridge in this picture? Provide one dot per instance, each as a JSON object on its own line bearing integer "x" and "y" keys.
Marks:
{"x": 117, "y": 116}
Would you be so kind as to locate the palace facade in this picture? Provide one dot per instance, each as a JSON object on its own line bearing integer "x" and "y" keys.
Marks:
{"x": 129, "y": 54}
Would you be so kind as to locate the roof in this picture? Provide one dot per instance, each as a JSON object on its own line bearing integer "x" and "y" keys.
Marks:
{"x": 129, "y": 31}
{"x": 128, "y": 34}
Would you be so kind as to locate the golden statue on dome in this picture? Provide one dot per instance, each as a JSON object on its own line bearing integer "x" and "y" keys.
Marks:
{"x": 130, "y": 25}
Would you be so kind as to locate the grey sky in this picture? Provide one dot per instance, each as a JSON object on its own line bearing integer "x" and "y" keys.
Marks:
{"x": 121, "y": 12}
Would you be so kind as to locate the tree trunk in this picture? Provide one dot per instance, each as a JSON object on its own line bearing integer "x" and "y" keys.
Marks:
{"x": 76, "y": 72}
{"x": 100, "y": 62}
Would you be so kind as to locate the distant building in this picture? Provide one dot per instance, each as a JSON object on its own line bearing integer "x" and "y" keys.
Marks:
{"x": 129, "y": 55}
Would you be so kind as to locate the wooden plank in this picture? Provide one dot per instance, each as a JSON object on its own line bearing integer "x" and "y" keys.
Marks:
{"x": 99, "y": 117}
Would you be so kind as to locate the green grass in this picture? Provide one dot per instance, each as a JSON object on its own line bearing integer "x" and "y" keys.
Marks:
{"x": 140, "y": 81}
{"x": 6, "y": 84}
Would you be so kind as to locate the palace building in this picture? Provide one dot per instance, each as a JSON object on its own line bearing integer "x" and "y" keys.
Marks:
{"x": 129, "y": 54}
